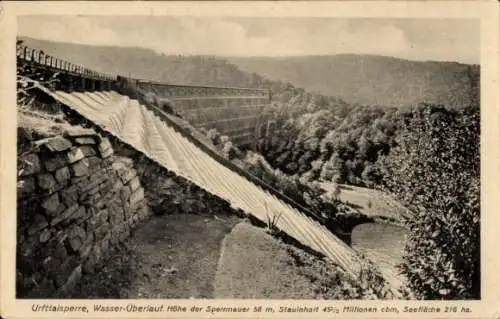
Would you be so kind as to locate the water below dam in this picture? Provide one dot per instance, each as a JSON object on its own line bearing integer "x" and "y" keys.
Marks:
{"x": 383, "y": 244}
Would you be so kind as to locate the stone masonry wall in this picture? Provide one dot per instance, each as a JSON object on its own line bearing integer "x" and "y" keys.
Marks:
{"x": 76, "y": 199}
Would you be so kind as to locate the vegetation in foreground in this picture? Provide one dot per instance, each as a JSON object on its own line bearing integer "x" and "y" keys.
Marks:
{"x": 268, "y": 267}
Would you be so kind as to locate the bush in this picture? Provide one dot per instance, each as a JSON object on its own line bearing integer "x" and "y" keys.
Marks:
{"x": 213, "y": 135}
{"x": 228, "y": 150}
{"x": 435, "y": 173}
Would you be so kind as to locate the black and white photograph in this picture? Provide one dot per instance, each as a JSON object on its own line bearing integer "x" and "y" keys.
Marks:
{"x": 192, "y": 157}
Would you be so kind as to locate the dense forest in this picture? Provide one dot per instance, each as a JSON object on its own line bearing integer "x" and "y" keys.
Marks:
{"x": 371, "y": 79}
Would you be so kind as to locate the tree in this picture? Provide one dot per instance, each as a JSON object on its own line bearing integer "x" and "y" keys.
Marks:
{"x": 327, "y": 171}
{"x": 435, "y": 173}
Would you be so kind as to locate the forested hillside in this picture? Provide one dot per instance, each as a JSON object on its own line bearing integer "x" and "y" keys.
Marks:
{"x": 373, "y": 80}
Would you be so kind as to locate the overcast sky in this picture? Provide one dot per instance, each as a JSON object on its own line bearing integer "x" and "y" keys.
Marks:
{"x": 414, "y": 39}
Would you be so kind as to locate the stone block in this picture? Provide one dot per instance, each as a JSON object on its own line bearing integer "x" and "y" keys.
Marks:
{"x": 117, "y": 184}
{"x": 77, "y": 231}
{"x": 60, "y": 236}
{"x": 106, "y": 153}
{"x": 103, "y": 216}
{"x": 134, "y": 183}
{"x": 85, "y": 250}
{"x": 124, "y": 234}
{"x": 101, "y": 231}
{"x": 86, "y": 245}
{"x": 105, "y": 144}
{"x": 56, "y": 250}
{"x": 65, "y": 215}
{"x": 85, "y": 141}
{"x": 39, "y": 222}
{"x": 93, "y": 190}
{"x": 99, "y": 178}
{"x": 30, "y": 164}
{"x": 62, "y": 175}
{"x": 78, "y": 181}
{"x": 101, "y": 202}
{"x": 145, "y": 210}
{"x": 125, "y": 193}
{"x": 51, "y": 264}
{"x": 127, "y": 161}
{"x": 94, "y": 162}
{"x": 111, "y": 195}
{"x": 127, "y": 210}
{"x": 61, "y": 208}
{"x": 88, "y": 150}
{"x": 92, "y": 200}
{"x": 74, "y": 155}
{"x": 108, "y": 161}
{"x": 91, "y": 211}
{"x": 50, "y": 204}
{"x": 54, "y": 162}
{"x": 45, "y": 235}
{"x": 127, "y": 175}
{"x": 57, "y": 144}
{"x": 75, "y": 244}
{"x": 116, "y": 218}
{"x": 46, "y": 182}
{"x": 69, "y": 195}
{"x": 119, "y": 166}
{"x": 136, "y": 197}
{"x": 80, "y": 168}
{"x": 80, "y": 213}
{"x": 82, "y": 132}
{"x": 106, "y": 187}
{"x": 105, "y": 243}
{"x": 92, "y": 223}
{"x": 92, "y": 183}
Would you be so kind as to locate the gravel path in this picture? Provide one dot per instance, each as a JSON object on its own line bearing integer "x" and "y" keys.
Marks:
{"x": 170, "y": 256}
{"x": 254, "y": 265}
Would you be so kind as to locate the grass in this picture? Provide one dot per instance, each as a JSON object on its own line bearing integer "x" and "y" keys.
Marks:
{"x": 256, "y": 265}
{"x": 34, "y": 122}
{"x": 370, "y": 202}
{"x": 199, "y": 256}
{"x": 168, "y": 257}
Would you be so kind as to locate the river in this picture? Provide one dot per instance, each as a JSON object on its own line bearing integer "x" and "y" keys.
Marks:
{"x": 381, "y": 243}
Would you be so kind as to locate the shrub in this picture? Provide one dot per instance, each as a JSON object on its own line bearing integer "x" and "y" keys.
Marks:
{"x": 228, "y": 150}
{"x": 213, "y": 135}
{"x": 435, "y": 173}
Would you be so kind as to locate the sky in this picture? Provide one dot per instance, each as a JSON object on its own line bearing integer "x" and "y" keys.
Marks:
{"x": 413, "y": 39}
